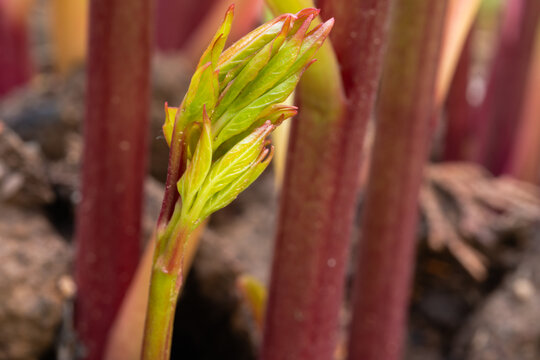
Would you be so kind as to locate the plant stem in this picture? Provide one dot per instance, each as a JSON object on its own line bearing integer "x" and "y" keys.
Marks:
{"x": 507, "y": 83}
{"x": 525, "y": 161}
{"x": 458, "y": 120}
{"x": 321, "y": 182}
{"x": 126, "y": 337}
{"x": 160, "y": 315}
{"x": 389, "y": 216}
{"x": 115, "y": 133}
{"x": 175, "y": 21}
{"x": 165, "y": 284}
{"x": 15, "y": 61}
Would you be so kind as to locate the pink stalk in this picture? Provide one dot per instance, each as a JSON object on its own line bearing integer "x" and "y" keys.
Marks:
{"x": 403, "y": 133}
{"x": 525, "y": 162}
{"x": 15, "y": 60}
{"x": 115, "y": 132}
{"x": 458, "y": 110}
{"x": 248, "y": 14}
{"x": 503, "y": 104}
{"x": 176, "y": 19}
{"x": 319, "y": 192}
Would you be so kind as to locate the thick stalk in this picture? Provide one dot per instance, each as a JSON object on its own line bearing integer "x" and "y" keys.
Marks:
{"x": 321, "y": 181}
{"x": 115, "y": 133}
{"x": 458, "y": 110}
{"x": 525, "y": 162}
{"x": 175, "y": 20}
{"x": 403, "y": 133}
{"x": 15, "y": 60}
{"x": 503, "y": 104}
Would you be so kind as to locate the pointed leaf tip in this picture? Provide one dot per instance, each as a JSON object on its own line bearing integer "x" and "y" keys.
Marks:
{"x": 302, "y": 30}
{"x": 308, "y": 11}
{"x": 168, "y": 125}
{"x": 213, "y": 51}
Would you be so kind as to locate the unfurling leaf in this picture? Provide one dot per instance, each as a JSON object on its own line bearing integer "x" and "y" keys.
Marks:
{"x": 232, "y": 104}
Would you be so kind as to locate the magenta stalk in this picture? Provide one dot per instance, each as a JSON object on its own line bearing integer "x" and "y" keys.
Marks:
{"x": 390, "y": 213}
{"x": 114, "y": 161}
{"x": 504, "y": 101}
{"x": 318, "y": 199}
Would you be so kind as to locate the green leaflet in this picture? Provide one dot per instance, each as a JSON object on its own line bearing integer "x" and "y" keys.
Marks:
{"x": 237, "y": 159}
{"x": 212, "y": 53}
{"x": 251, "y": 70}
{"x": 231, "y": 191}
{"x": 244, "y": 77}
{"x": 301, "y": 17}
{"x": 232, "y": 168}
{"x": 235, "y": 122}
{"x": 197, "y": 169}
{"x": 168, "y": 126}
{"x": 312, "y": 42}
{"x": 202, "y": 92}
{"x": 250, "y": 44}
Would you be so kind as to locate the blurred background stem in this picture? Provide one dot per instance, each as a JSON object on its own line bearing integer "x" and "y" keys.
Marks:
{"x": 389, "y": 216}
{"x": 115, "y": 132}
{"x": 15, "y": 59}
{"x": 502, "y": 108}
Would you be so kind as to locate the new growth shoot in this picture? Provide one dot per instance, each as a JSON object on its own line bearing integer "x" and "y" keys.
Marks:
{"x": 218, "y": 142}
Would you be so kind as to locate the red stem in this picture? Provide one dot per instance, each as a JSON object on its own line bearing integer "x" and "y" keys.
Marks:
{"x": 175, "y": 170}
{"x": 114, "y": 159}
{"x": 503, "y": 104}
{"x": 525, "y": 162}
{"x": 458, "y": 109}
{"x": 403, "y": 133}
{"x": 319, "y": 193}
{"x": 15, "y": 59}
{"x": 176, "y": 19}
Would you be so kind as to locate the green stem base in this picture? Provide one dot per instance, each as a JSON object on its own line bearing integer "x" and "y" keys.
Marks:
{"x": 163, "y": 295}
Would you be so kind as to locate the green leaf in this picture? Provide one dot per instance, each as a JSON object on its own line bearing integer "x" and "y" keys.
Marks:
{"x": 237, "y": 159}
{"x": 271, "y": 74}
{"x": 250, "y": 70}
{"x": 168, "y": 126}
{"x": 197, "y": 169}
{"x": 231, "y": 191}
{"x": 213, "y": 51}
{"x": 251, "y": 43}
{"x": 312, "y": 42}
{"x": 301, "y": 17}
{"x": 202, "y": 92}
{"x": 234, "y": 122}
{"x": 242, "y": 79}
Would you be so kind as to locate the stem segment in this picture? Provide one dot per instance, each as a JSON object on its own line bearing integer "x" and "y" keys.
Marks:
{"x": 165, "y": 285}
{"x": 503, "y": 104}
{"x": 160, "y": 315}
{"x": 115, "y": 133}
{"x": 321, "y": 182}
{"x": 390, "y": 213}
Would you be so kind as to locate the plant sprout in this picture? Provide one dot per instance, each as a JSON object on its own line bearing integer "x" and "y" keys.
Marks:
{"x": 218, "y": 142}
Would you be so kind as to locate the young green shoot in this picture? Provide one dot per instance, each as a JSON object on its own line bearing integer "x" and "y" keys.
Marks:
{"x": 218, "y": 142}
